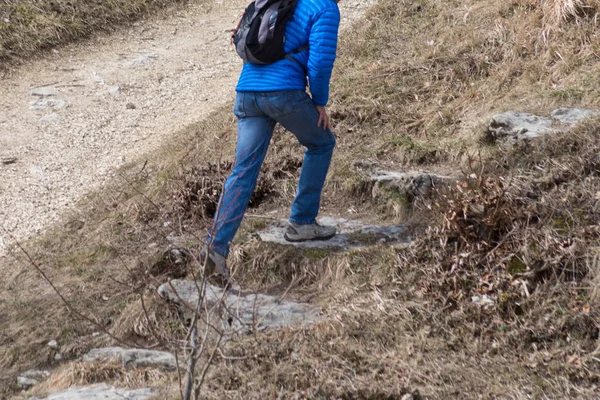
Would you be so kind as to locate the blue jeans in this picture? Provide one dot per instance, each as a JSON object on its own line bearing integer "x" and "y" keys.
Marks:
{"x": 258, "y": 113}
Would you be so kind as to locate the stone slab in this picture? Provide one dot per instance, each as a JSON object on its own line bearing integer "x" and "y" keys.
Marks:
{"x": 133, "y": 358}
{"x": 410, "y": 183}
{"x": 32, "y": 377}
{"x": 43, "y": 91}
{"x": 237, "y": 311}
{"x": 44, "y": 103}
{"x": 100, "y": 392}
{"x": 351, "y": 234}
{"x": 572, "y": 116}
{"x": 517, "y": 126}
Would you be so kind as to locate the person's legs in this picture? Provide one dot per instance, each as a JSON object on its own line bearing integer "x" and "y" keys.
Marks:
{"x": 254, "y": 134}
{"x": 300, "y": 117}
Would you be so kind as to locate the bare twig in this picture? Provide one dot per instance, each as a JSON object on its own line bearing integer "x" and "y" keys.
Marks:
{"x": 65, "y": 301}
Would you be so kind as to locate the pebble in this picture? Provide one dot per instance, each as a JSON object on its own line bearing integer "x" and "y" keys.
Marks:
{"x": 36, "y": 170}
{"x": 8, "y": 160}
{"x": 42, "y": 104}
{"x": 49, "y": 117}
{"x": 43, "y": 91}
{"x": 143, "y": 60}
{"x": 53, "y": 344}
{"x": 114, "y": 90}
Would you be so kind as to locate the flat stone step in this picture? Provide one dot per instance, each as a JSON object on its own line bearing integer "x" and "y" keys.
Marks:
{"x": 351, "y": 234}
{"x": 517, "y": 126}
{"x": 133, "y": 358}
{"x": 239, "y": 312}
{"x": 573, "y": 116}
{"x": 513, "y": 126}
{"x": 100, "y": 392}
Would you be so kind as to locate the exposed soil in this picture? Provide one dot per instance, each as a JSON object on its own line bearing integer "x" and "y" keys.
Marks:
{"x": 115, "y": 98}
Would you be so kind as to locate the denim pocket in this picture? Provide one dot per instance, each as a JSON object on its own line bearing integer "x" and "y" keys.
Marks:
{"x": 238, "y": 107}
{"x": 299, "y": 97}
{"x": 279, "y": 104}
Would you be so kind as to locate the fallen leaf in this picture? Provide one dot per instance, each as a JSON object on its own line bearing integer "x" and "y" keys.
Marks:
{"x": 586, "y": 308}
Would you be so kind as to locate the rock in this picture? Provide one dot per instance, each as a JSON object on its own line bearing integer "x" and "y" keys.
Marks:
{"x": 572, "y": 116}
{"x": 515, "y": 126}
{"x": 43, "y": 104}
{"x": 37, "y": 170}
{"x": 239, "y": 312}
{"x": 133, "y": 358}
{"x": 75, "y": 225}
{"x": 143, "y": 60}
{"x": 351, "y": 234}
{"x": 173, "y": 263}
{"x": 130, "y": 106}
{"x": 100, "y": 392}
{"x": 49, "y": 117}
{"x": 114, "y": 90}
{"x": 484, "y": 301}
{"x": 410, "y": 183}
{"x": 26, "y": 383}
{"x": 8, "y": 160}
{"x": 31, "y": 378}
{"x": 53, "y": 344}
{"x": 97, "y": 78}
{"x": 43, "y": 91}
{"x": 177, "y": 240}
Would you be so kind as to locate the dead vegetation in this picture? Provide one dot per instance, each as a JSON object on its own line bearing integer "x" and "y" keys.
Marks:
{"x": 28, "y": 26}
{"x": 496, "y": 298}
{"x": 558, "y": 12}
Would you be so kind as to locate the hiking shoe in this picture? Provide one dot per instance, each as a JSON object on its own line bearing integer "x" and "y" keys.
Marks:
{"x": 215, "y": 269}
{"x": 302, "y": 233}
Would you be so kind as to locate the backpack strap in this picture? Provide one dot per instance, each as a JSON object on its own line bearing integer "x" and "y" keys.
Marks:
{"x": 300, "y": 49}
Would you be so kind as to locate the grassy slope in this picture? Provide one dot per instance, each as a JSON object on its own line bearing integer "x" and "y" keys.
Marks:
{"x": 414, "y": 86}
{"x": 27, "y": 26}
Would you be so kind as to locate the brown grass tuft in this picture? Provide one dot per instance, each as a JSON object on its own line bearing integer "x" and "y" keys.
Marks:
{"x": 557, "y": 12}
{"x": 150, "y": 320}
{"x": 81, "y": 374}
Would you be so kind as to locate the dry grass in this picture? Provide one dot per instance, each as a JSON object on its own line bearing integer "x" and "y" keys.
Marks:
{"x": 81, "y": 374}
{"x": 557, "y": 12}
{"x": 414, "y": 87}
{"x": 28, "y": 26}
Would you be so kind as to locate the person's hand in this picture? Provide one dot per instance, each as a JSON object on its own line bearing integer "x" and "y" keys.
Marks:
{"x": 323, "y": 121}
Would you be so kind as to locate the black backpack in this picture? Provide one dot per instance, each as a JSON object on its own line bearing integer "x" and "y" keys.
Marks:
{"x": 260, "y": 36}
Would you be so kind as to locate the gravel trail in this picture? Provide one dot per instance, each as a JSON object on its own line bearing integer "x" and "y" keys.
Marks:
{"x": 70, "y": 119}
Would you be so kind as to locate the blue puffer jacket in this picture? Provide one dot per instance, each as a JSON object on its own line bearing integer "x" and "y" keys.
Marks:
{"x": 315, "y": 22}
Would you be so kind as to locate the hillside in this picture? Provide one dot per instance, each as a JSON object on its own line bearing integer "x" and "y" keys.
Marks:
{"x": 495, "y": 296}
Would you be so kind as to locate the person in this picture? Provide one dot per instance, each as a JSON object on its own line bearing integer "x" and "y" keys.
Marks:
{"x": 272, "y": 94}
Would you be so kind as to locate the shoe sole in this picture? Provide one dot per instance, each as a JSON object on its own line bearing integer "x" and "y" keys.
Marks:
{"x": 318, "y": 238}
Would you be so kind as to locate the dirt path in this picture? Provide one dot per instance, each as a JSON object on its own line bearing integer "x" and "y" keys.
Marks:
{"x": 68, "y": 121}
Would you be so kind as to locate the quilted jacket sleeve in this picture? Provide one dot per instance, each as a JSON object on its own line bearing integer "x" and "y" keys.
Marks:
{"x": 323, "y": 44}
